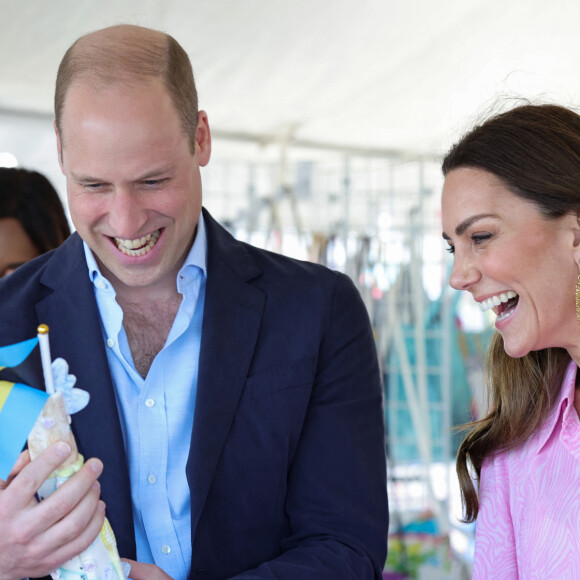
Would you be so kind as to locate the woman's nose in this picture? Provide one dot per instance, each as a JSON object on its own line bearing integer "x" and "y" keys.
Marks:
{"x": 464, "y": 274}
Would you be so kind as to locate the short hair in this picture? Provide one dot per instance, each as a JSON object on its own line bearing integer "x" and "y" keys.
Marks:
{"x": 29, "y": 197}
{"x": 130, "y": 54}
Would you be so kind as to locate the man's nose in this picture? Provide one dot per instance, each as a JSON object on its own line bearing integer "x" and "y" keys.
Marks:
{"x": 126, "y": 214}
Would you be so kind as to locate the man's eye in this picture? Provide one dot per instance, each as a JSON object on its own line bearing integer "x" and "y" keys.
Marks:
{"x": 154, "y": 182}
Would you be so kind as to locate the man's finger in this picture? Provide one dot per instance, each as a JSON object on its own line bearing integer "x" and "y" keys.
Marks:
{"x": 21, "y": 490}
{"x": 59, "y": 553}
{"x": 140, "y": 571}
{"x": 80, "y": 487}
{"x": 21, "y": 462}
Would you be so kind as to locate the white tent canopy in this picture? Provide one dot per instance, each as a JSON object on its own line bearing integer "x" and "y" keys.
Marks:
{"x": 384, "y": 75}
{"x": 399, "y": 79}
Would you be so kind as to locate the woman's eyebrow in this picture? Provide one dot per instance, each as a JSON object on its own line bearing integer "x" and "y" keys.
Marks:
{"x": 462, "y": 227}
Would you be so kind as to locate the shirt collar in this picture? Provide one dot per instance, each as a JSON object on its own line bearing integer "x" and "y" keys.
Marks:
{"x": 196, "y": 257}
{"x": 561, "y": 410}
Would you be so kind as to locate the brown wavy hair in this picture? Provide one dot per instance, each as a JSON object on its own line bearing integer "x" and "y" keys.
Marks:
{"x": 535, "y": 151}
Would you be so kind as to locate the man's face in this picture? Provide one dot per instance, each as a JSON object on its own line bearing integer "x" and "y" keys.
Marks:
{"x": 134, "y": 186}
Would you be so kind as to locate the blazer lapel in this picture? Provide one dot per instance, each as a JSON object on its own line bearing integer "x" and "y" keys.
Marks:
{"x": 231, "y": 323}
{"x": 75, "y": 335}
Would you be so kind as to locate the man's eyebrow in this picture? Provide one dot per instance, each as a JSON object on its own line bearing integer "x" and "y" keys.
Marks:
{"x": 149, "y": 175}
{"x": 84, "y": 178}
{"x": 465, "y": 224}
{"x": 154, "y": 174}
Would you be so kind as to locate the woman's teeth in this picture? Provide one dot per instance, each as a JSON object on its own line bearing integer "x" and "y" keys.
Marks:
{"x": 139, "y": 246}
{"x": 496, "y": 300}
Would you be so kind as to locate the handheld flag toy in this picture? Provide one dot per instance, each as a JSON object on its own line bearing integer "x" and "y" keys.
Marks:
{"x": 20, "y": 403}
{"x": 51, "y": 423}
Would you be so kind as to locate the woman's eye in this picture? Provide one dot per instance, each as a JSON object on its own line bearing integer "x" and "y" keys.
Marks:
{"x": 450, "y": 249}
{"x": 479, "y": 238}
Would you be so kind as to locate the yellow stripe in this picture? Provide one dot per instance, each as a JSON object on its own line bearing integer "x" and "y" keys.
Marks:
{"x": 5, "y": 388}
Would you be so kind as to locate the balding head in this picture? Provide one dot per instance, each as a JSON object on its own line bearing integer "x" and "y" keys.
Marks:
{"x": 129, "y": 55}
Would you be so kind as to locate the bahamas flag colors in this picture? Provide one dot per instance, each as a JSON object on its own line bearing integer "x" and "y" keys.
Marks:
{"x": 20, "y": 403}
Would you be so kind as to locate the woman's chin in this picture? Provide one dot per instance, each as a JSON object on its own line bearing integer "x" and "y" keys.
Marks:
{"x": 515, "y": 351}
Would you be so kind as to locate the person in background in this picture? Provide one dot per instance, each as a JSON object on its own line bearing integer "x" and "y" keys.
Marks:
{"x": 511, "y": 217}
{"x": 32, "y": 218}
{"x": 236, "y": 398}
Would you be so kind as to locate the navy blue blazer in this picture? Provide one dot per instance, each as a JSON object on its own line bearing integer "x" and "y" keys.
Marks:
{"x": 287, "y": 461}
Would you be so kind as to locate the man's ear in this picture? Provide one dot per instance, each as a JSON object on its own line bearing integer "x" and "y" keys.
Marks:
{"x": 203, "y": 139}
{"x": 58, "y": 145}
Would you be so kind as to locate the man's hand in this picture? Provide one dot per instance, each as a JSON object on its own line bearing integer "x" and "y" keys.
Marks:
{"x": 141, "y": 571}
{"x": 37, "y": 537}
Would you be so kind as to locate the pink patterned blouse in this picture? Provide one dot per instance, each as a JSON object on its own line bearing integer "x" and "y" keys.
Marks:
{"x": 529, "y": 518}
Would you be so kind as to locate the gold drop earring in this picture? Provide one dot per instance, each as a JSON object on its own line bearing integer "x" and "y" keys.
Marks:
{"x": 578, "y": 295}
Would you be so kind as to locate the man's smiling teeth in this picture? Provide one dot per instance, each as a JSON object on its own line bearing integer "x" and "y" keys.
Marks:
{"x": 496, "y": 300}
{"x": 139, "y": 246}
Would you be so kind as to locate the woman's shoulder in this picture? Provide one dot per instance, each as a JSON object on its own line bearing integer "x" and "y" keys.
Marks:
{"x": 537, "y": 451}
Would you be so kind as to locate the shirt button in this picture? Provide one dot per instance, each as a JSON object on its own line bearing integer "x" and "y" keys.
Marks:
{"x": 110, "y": 342}
{"x": 150, "y": 402}
{"x": 100, "y": 284}
{"x": 151, "y": 479}
{"x": 166, "y": 549}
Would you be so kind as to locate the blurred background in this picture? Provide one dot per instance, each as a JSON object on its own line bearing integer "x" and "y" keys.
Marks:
{"x": 329, "y": 121}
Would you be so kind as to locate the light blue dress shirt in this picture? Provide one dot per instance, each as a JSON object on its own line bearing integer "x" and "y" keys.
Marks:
{"x": 156, "y": 414}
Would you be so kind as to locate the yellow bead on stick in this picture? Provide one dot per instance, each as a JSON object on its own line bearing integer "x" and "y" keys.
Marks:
{"x": 44, "y": 345}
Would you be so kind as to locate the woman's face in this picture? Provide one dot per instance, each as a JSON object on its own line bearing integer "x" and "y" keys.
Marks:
{"x": 15, "y": 246}
{"x": 513, "y": 260}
